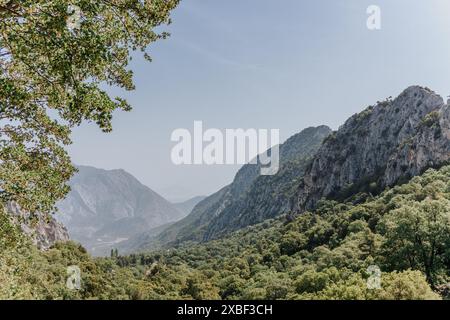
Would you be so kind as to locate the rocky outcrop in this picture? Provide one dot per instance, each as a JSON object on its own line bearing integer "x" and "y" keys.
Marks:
{"x": 385, "y": 144}
{"x": 43, "y": 230}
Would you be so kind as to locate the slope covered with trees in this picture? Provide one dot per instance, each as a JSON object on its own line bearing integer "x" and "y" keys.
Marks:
{"x": 325, "y": 254}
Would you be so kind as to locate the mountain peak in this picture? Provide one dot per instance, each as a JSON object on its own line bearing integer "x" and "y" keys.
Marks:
{"x": 413, "y": 89}
{"x": 106, "y": 206}
{"x": 378, "y": 147}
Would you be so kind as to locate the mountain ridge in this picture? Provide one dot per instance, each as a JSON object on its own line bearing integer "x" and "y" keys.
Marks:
{"x": 379, "y": 147}
{"x": 186, "y": 206}
{"x": 207, "y": 213}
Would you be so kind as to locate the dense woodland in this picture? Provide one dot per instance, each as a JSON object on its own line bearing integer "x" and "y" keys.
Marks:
{"x": 325, "y": 254}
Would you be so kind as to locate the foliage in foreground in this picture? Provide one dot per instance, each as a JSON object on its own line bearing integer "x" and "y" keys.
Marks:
{"x": 56, "y": 56}
{"x": 322, "y": 255}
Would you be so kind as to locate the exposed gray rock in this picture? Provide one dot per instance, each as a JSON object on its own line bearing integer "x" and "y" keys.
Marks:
{"x": 379, "y": 147}
{"x": 43, "y": 230}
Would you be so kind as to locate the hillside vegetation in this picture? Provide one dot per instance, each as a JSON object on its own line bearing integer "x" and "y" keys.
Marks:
{"x": 325, "y": 254}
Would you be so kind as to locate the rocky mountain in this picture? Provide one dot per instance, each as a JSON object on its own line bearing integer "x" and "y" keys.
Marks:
{"x": 43, "y": 230}
{"x": 105, "y": 207}
{"x": 186, "y": 206}
{"x": 189, "y": 228}
{"x": 269, "y": 196}
{"x": 249, "y": 199}
{"x": 384, "y": 145}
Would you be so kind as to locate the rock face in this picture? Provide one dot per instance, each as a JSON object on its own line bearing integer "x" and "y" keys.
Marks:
{"x": 379, "y": 147}
{"x": 249, "y": 199}
{"x": 105, "y": 207}
{"x": 266, "y": 197}
{"x": 43, "y": 230}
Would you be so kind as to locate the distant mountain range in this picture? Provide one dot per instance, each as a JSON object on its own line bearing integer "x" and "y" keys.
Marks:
{"x": 105, "y": 207}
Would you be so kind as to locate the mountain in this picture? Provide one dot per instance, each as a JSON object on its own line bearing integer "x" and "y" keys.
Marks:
{"x": 249, "y": 199}
{"x": 105, "y": 207}
{"x": 43, "y": 229}
{"x": 384, "y": 145}
{"x": 186, "y": 206}
{"x": 326, "y": 254}
{"x": 176, "y": 193}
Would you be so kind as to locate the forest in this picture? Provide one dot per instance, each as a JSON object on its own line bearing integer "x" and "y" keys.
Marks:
{"x": 330, "y": 253}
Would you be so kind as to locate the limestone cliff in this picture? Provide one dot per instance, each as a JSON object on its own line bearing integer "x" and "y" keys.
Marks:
{"x": 385, "y": 144}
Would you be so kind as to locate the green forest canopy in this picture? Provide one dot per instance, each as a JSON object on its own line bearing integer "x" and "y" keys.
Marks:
{"x": 319, "y": 255}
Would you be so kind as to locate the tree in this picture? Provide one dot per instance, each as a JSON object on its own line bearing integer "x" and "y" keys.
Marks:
{"x": 406, "y": 285}
{"x": 292, "y": 242}
{"x": 114, "y": 253}
{"x": 231, "y": 287}
{"x": 200, "y": 288}
{"x": 418, "y": 235}
{"x": 54, "y": 56}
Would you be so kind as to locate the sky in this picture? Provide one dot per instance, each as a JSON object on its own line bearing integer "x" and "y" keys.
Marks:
{"x": 286, "y": 64}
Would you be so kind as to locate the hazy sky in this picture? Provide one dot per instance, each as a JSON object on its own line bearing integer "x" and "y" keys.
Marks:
{"x": 285, "y": 64}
